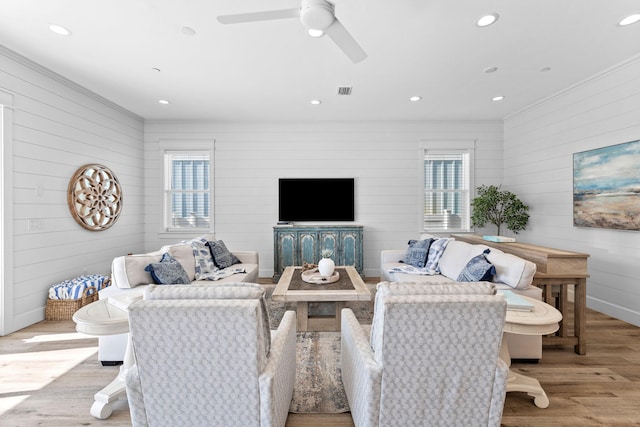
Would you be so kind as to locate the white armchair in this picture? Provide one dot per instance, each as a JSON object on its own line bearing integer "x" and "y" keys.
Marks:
{"x": 204, "y": 356}
{"x": 430, "y": 359}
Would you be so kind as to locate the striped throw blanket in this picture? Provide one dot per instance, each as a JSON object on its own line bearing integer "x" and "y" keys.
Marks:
{"x": 74, "y": 288}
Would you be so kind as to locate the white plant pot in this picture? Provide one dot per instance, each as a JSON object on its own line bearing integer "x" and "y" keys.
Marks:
{"x": 326, "y": 266}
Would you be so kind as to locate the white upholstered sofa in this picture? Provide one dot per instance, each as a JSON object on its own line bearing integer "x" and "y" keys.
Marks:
{"x": 129, "y": 280}
{"x": 512, "y": 273}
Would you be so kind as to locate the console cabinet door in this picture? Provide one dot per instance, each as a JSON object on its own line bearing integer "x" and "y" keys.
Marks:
{"x": 308, "y": 244}
{"x": 285, "y": 250}
{"x": 330, "y": 240}
{"x": 351, "y": 249}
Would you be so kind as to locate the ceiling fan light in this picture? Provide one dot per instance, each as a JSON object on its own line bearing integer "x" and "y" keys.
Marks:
{"x": 315, "y": 33}
{"x": 317, "y": 15}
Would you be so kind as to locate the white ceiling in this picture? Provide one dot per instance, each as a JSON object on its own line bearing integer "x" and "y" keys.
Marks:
{"x": 270, "y": 70}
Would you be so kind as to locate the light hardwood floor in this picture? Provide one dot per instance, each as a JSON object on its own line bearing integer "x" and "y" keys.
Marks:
{"x": 49, "y": 373}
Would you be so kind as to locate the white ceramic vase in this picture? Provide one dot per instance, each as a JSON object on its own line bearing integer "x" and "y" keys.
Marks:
{"x": 326, "y": 266}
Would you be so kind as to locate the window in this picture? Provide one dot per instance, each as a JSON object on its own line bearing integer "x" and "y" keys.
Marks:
{"x": 187, "y": 189}
{"x": 446, "y": 191}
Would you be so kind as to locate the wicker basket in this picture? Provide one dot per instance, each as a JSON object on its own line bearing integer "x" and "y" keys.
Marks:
{"x": 63, "y": 309}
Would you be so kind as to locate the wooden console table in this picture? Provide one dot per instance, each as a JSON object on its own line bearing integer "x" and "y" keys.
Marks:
{"x": 555, "y": 267}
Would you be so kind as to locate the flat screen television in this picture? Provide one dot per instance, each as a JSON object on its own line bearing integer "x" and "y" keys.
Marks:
{"x": 316, "y": 199}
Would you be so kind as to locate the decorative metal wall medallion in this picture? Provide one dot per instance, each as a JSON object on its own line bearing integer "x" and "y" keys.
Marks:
{"x": 94, "y": 197}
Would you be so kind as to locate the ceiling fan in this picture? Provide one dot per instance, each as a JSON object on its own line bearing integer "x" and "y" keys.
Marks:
{"x": 317, "y": 16}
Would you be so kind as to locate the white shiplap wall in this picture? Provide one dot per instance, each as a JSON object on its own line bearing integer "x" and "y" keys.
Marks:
{"x": 538, "y": 155}
{"x": 58, "y": 127}
{"x": 383, "y": 157}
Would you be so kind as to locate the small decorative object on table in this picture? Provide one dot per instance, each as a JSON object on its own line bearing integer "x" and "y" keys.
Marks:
{"x": 313, "y": 276}
{"x": 326, "y": 266}
{"x": 499, "y": 239}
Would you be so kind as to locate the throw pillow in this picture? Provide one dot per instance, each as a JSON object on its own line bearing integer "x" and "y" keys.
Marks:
{"x": 168, "y": 271}
{"x": 204, "y": 264}
{"x": 417, "y": 252}
{"x": 478, "y": 269}
{"x": 435, "y": 252}
{"x": 221, "y": 255}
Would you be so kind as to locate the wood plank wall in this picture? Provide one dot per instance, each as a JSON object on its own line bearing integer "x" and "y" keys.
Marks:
{"x": 59, "y": 126}
{"x": 383, "y": 157}
{"x": 538, "y": 157}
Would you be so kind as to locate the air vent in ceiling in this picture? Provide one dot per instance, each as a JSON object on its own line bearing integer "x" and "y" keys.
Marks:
{"x": 344, "y": 90}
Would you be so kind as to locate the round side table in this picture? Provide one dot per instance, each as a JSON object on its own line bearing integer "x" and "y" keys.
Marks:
{"x": 102, "y": 318}
{"x": 542, "y": 320}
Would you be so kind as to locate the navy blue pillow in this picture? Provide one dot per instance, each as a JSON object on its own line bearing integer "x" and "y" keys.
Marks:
{"x": 417, "y": 252}
{"x": 168, "y": 271}
{"x": 222, "y": 257}
{"x": 478, "y": 269}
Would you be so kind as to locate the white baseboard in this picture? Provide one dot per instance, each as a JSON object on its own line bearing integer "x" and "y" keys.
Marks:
{"x": 613, "y": 310}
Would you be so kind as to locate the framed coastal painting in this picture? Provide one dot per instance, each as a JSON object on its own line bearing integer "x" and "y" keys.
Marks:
{"x": 606, "y": 187}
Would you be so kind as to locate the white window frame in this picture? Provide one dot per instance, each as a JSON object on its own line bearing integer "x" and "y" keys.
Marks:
{"x": 185, "y": 147}
{"x": 467, "y": 148}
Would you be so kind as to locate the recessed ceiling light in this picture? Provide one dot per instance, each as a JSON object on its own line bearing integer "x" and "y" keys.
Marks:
{"x": 631, "y": 19}
{"x": 486, "y": 20}
{"x": 59, "y": 29}
{"x": 188, "y": 31}
{"x": 163, "y": 102}
{"x": 497, "y": 98}
{"x": 316, "y": 102}
{"x": 315, "y": 33}
{"x": 545, "y": 69}
{"x": 415, "y": 98}
{"x": 489, "y": 70}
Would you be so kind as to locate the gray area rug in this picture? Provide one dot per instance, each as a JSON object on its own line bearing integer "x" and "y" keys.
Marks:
{"x": 318, "y": 387}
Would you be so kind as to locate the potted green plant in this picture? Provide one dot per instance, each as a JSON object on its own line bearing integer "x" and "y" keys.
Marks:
{"x": 496, "y": 206}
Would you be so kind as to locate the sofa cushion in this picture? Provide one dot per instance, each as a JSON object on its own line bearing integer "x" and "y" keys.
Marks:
{"x": 222, "y": 257}
{"x": 384, "y": 289}
{"x": 478, "y": 269}
{"x": 168, "y": 271}
{"x": 417, "y": 252}
{"x": 129, "y": 271}
{"x": 512, "y": 270}
{"x": 183, "y": 253}
{"x": 235, "y": 290}
{"x": 436, "y": 250}
{"x": 456, "y": 256}
{"x": 203, "y": 260}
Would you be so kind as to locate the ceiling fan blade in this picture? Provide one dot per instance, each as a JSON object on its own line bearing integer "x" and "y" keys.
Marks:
{"x": 340, "y": 36}
{"x": 259, "y": 16}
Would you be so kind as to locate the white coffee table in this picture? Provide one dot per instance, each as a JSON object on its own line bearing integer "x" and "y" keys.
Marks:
{"x": 102, "y": 318}
{"x": 542, "y": 320}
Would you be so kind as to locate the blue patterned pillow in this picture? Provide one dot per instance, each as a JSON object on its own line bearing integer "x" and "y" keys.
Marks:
{"x": 168, "y": 271}
{"x": 478, "y": 269}
{"x": 203, "y": 259}
{"x": 417, "y": 252}
{"x": 221, "y": 255}
{"x": 435, "y": 253}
